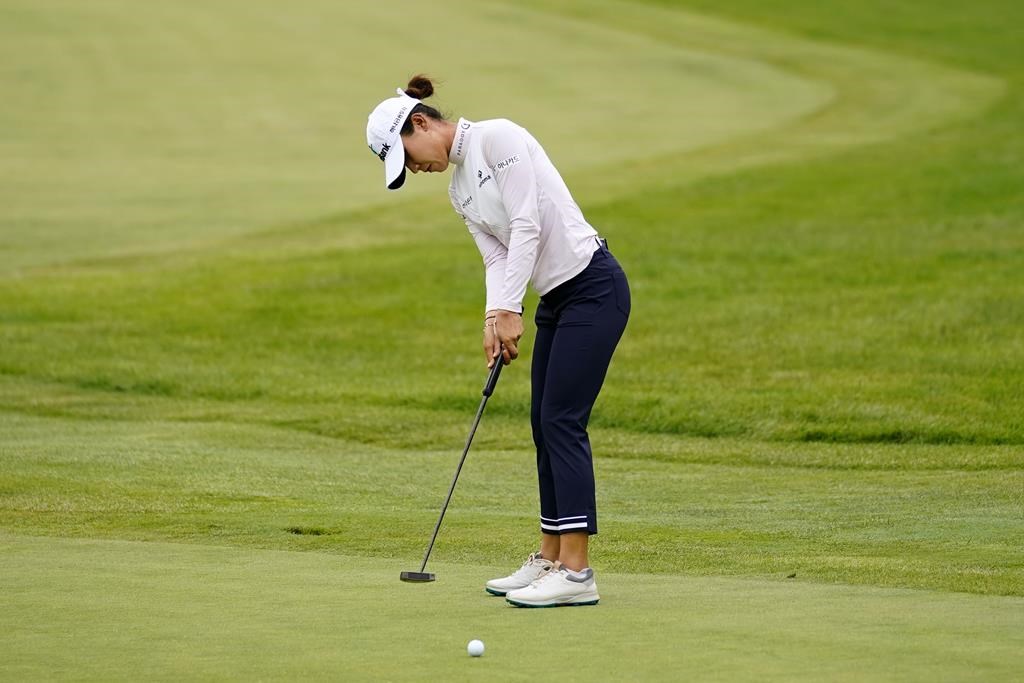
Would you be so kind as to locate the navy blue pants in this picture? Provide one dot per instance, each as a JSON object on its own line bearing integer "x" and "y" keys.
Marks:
{"x": 579, "y": 324}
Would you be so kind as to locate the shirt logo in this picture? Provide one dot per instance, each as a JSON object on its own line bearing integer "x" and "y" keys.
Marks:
{"x": 511, "y": 161}
{"x": 480, "y": 174}
{"x": 469, "y": 200}
{"x": 462, "y": 139}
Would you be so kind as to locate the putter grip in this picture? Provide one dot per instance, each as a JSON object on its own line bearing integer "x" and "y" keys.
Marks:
{"x": 493, "y": 379}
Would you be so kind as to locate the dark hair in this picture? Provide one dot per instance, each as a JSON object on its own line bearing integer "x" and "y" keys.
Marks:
{"x": 420, "y": 87}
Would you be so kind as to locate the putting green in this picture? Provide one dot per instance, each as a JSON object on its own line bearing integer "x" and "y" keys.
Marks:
{"x": 137, "y": 128}
{"x": 114, "y": 610}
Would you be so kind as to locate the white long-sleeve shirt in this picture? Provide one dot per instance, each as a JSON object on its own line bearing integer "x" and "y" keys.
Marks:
{"x": 519, "y": 211}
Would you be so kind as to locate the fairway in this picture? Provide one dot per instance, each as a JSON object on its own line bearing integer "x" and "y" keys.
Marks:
{"x": 236, "y": 374}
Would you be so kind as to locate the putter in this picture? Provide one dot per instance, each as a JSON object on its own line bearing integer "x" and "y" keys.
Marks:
{"x": 424, "y": 576}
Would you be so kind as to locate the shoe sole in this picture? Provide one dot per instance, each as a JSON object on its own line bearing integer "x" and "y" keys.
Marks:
{"x": 492, "y": 591}
{"x": 553, "y": 604}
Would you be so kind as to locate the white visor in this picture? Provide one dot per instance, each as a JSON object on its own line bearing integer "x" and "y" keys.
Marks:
{"x": 384, "y": 136}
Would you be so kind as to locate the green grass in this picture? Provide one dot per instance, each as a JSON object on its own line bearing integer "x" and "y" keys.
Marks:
{"x": 200, "y": 612}
{"x": 939, "y": 518}
{"x": 235, "y": 375}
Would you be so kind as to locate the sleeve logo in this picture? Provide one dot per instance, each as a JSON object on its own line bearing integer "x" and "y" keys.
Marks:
{"x": 511, "y": 161}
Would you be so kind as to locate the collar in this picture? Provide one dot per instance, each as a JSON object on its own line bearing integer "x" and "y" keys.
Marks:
{"x": 460, "y": 144}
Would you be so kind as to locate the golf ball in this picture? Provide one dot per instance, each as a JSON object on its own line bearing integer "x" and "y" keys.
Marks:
{"x": 475, "y": 648}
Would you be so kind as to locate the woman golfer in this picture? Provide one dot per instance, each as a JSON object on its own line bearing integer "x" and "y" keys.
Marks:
{"x": 528, "y": 229}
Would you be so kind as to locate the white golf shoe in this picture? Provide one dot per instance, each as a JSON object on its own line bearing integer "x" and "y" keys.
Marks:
{"x": 558, "y": 587}
{"x": 534, "y": 568}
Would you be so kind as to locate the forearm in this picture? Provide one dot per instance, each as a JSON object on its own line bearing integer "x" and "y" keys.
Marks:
{"x": 494, "y": 283}
{"x": 522, "y": 255}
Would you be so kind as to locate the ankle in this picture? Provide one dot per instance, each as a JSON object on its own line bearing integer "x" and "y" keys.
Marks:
{"x": 549, "y": 550}
{"x": 575, "y": 564}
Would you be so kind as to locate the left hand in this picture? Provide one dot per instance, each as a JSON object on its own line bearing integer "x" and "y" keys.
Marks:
{"x": 508, "y": 327}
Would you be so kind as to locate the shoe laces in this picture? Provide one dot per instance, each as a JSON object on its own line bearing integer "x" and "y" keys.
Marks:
{"x": 555, "y": 568}
{"x": 536, "y": 559}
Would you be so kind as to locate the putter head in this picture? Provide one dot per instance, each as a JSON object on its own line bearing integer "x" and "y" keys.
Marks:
{"x": 417, "y": 577}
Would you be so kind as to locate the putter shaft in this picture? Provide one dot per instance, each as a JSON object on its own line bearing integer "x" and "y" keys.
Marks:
{"x": 492, "y": 380}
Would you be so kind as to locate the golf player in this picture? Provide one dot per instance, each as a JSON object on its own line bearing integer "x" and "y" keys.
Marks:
{"x": 528, "y": 229}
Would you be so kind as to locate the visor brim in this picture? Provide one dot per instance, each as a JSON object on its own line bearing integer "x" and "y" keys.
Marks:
{"x": 394, "y": 165}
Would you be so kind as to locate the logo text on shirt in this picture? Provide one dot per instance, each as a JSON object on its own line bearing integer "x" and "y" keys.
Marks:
{"x": 511, "y": 161}
{"x": 461, "y": 139}
{"x": 480, "y": 174}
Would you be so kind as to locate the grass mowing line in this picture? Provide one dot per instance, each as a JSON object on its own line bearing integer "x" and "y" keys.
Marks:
{"x": 224, "y": 124}
{"x": 728, "y": 49}
{"x": 173, "y": 610}
{"x": 25, "y": 401}
{"x": 878, "y": 95}
{"x": 874, "y": 96}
